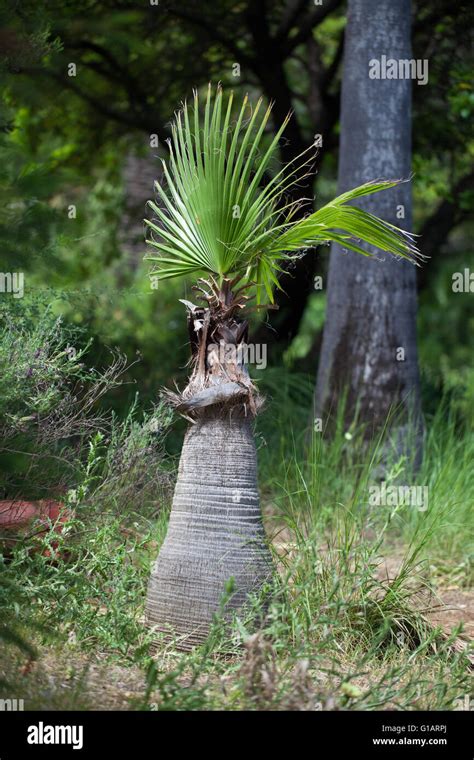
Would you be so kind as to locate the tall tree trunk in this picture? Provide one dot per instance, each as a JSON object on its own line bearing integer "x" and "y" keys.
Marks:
{"x": 369, "y": 345}
{"x": 215, "y": 532}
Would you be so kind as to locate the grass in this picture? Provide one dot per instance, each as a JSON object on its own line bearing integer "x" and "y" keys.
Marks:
{"x": 346, "y": 627}
{"x": 306, "y": 475}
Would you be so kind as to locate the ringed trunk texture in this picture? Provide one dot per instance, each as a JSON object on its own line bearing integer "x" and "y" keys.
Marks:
{"x": 215, "y": 530}
{"x": 369, "y": 347}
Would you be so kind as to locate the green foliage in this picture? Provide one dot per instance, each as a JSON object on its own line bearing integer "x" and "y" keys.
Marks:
{"x": 216, "y": 217}
{"x": 36, "y": 361}
{"x": 446, "y": 342}
{"x": 319, "y": 475}
{"x": 355, "y": 223}
{"x": 46, "y": 396}
{"x": 131, "y": 469}
{"x": 96, "y": 568}
{"x": 9, "y": 636}
{"x": 54, "y": 433}
{"x": 342, "y": 630}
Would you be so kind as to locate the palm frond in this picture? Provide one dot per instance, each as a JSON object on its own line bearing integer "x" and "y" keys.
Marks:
{"x": 346, "y": 224}
{"x": 213, "y": 203}
{"x": 213, "y": 215}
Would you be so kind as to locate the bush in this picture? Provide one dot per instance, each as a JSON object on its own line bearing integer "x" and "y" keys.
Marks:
{"x": 48, "y": 400}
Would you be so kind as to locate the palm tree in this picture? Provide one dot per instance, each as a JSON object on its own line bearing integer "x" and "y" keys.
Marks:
{"x": 223, "y": 214}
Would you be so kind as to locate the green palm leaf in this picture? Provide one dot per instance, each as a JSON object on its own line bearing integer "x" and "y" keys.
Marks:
{"x": 214, "y": 216}
{"x": 345, "y": 224}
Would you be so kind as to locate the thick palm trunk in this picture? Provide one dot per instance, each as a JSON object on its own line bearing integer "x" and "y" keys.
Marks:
{"x": 214, "y": 554}
{"x": 215, "y": 532}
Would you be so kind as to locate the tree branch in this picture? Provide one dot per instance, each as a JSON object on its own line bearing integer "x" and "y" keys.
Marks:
{"x": 307, "y": 25}
{"x": 331, "y": 71}
{"x": 132, "y": 119}
{"x": 288, "y": 21}
{"x": 226, "y": 42}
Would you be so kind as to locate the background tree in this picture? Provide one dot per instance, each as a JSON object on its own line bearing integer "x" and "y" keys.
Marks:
{"x": 369, "y": 346}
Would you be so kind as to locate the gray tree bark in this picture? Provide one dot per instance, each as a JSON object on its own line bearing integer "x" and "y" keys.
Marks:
{"x": 215, "y": 532}
{"x": 369, "y": 344}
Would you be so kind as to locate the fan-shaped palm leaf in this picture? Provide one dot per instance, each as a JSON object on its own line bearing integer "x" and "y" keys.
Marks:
{"x": 215, "y": 216}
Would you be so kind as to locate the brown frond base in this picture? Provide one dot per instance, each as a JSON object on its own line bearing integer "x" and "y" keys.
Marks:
{"x": 218, "y": 339}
